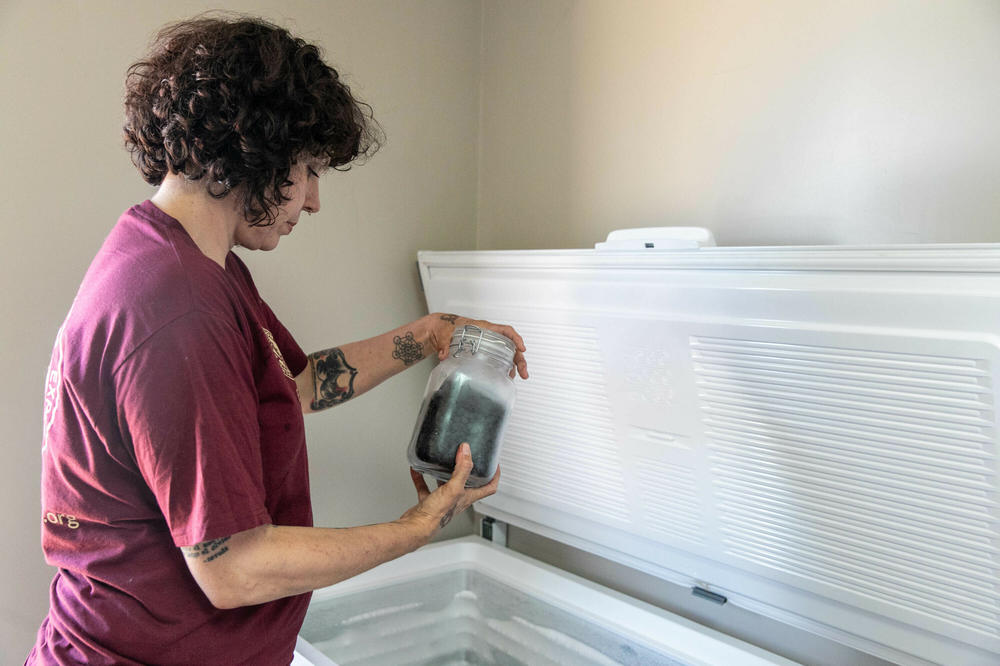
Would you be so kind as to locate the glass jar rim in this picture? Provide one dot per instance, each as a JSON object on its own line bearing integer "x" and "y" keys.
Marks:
{"x": 475, "y": 339}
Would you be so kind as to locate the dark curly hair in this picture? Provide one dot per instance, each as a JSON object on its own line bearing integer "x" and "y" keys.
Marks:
{"x": 236, "y": 101}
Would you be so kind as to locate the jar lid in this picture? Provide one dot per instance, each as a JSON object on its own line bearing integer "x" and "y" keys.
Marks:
{"x": 480, "y": 340}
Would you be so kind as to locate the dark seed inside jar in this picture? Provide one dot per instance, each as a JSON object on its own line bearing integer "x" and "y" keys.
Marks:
{"x": 458, "y": 413}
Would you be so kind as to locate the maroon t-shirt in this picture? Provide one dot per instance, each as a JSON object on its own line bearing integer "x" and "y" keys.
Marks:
{"x": 171, "y": 418}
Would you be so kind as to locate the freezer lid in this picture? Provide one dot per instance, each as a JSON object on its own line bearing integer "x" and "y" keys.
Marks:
{"x": 808, "y": 432}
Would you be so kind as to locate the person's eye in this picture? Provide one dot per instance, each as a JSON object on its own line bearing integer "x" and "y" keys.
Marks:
{"x": 287, "y": 183}
{"x": 312, "y": 172}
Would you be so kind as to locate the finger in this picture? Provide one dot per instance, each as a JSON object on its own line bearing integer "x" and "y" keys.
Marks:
{"x": 489, "y": 488}
{"x": 506, "y": 330}
{"x": 473, "y": 495}
{"x": 510, "y": 333}
{"x": 419, "y": 483}
{"x": 521, "y": 365}
{"x": 516, "y": 337}
{"x": 463, "y": 467}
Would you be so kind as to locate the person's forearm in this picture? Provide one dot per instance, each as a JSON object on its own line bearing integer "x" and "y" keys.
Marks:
{"x": 336, "y": 375}
{"x": 273, "y": 562}
{"x": 270, "y": 562}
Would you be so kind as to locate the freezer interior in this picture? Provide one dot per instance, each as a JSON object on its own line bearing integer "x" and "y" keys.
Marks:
{"x": 469, "y": 602}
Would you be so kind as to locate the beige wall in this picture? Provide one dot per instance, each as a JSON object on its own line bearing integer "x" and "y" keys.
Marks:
{"x": 768, "y": 121}
{"x": 344, "y": 274}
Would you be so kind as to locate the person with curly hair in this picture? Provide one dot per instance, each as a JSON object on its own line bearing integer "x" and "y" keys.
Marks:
{"x": 175, "y": 490}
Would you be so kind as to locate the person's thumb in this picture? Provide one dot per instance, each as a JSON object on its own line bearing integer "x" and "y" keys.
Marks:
{"x": 463, "y": 466}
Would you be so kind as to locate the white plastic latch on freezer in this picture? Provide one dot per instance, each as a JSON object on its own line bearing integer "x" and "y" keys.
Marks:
{"x": 656, "y": 238}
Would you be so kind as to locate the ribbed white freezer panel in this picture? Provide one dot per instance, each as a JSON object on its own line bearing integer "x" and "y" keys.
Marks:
{"x": 671, "y": 501}
{"x": 565, "y": 402}
{"x": 793, "y": 438}
{"x": 810, "y": 431}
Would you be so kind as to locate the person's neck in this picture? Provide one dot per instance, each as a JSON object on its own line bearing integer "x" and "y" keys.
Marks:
{"x": 210, "y": 222}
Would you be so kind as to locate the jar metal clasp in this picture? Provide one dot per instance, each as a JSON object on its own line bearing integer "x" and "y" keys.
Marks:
{"x": 473, "y": 340}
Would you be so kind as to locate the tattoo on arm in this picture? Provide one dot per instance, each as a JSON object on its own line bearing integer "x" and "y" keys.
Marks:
{"x": 209, "y": 550}
{"x": 408, "y": 350}
{"x": 333, "y": 378}
{"x": 450, "y": 318}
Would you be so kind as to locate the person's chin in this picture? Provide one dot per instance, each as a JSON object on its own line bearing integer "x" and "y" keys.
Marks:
{"x": 265, "y": 242}
{"x": 269, "y": 242}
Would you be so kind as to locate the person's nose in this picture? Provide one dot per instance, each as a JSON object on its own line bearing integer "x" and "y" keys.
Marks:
{"x": 311, "y": 204}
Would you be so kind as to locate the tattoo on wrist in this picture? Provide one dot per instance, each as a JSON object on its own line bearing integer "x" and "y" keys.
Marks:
{"x": 209, "y": 550}
{"x": 450, "y": 318}
{"x": 333, "y": 378}
{"x": 408, "y": 350}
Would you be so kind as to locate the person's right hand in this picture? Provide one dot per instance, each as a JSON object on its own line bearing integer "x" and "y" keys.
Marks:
{"x": 436, "y": 509}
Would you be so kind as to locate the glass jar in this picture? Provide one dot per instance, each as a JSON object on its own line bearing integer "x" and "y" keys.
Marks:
{"x": 467, "y": 399}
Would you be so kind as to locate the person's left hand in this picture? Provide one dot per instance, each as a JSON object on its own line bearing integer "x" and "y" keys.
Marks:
{"x": 443, "y": 325}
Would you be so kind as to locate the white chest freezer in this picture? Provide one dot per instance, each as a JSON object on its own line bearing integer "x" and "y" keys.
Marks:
{"x": 807, "y": 433}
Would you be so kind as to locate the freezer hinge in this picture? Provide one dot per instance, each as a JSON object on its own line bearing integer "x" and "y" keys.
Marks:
{"x": 493, "y": 530}
{"x": 710, "y": 596}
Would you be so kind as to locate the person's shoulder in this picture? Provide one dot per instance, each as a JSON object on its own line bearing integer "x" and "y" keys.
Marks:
{"x": 143, "y": 261}
{"x": 147, "y": 274}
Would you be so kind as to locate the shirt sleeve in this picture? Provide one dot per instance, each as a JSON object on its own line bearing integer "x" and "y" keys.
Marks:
{"x": 188, "y": 403}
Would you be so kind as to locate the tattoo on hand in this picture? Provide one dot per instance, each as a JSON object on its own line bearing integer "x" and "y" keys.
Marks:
{"x": 446, "y": 518}
{"x": 408, "y": 350}
{"x": 210, "y": 550}
{"x": 450, "y": 318}
{"x": 333, "y": 378}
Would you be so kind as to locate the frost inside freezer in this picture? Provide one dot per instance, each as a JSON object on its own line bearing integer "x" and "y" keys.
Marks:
{"x": 461, "y": 617}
